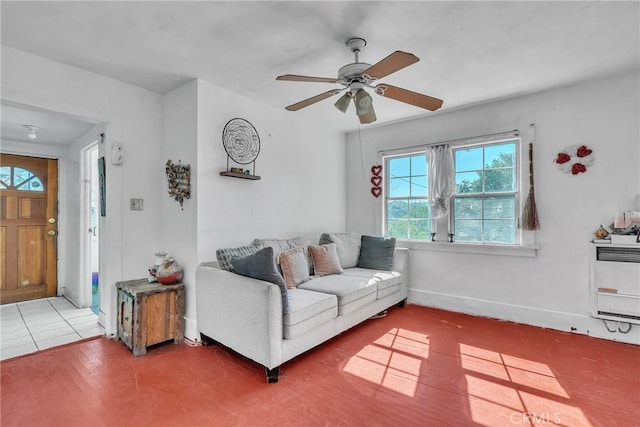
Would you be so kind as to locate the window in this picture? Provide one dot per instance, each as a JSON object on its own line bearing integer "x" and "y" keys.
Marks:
{"x": 408, "y": 211}
{"x": 484, "y": 205}
{"x": 16, "y": 178}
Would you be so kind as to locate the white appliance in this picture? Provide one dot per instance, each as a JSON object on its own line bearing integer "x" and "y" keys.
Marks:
{"x": 615, "y": 283}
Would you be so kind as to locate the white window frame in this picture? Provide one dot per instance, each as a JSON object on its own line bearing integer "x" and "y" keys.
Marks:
{"x": 386, "y": 198}
{"x": 484, "y": 195}
{"x": 525, "y": 240}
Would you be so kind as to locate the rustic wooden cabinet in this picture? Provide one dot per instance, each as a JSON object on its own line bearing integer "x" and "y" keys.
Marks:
{"x": 149, "y": 313}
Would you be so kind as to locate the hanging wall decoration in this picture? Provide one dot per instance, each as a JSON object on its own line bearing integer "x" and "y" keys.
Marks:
{"x": 179, "y": 177}
{"x": 376, "y": 180}
{"x": 242, "y": 144}
{"x": 574, "y": 159}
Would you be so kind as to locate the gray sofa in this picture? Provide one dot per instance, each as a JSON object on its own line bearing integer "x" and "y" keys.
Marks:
{"x": 246, "y": 315}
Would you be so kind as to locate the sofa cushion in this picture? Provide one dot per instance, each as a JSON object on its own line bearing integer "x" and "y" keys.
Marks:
{"x": 325, "y": 259}
{"x": 262, "y": 266}
{"x": 377, "y": 252}
{"x": 281, "y": 245}
{"x": 224, "y": 255}
{"x": 352, "y": 291}
{"x": 387, "y": 282}
{"x": 347, "y": 245}
{"x": 307, "y": 310}
{"x": 293, "y": 264}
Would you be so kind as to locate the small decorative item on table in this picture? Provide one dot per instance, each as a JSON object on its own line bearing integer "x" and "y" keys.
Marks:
{"x": 168, "y": 272}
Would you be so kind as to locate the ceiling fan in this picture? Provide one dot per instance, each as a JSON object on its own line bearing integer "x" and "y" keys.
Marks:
{"x": 358, "y": 75}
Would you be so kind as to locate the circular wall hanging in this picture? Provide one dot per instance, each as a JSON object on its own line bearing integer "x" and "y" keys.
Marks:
{"x": 241, "y": 141}
{"x": 574, "y": 159}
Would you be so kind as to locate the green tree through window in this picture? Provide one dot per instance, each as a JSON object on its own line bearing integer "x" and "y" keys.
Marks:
{"x": 484, "y": 205}
{"x": 408, "y": 211}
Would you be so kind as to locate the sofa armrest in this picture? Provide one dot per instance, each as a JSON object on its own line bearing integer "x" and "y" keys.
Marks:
{"x": 241, "y": 313}
{"x": 401, "y": 261}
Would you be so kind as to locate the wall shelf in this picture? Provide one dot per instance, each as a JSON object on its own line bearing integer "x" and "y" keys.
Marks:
{"x": 240, "y": 175}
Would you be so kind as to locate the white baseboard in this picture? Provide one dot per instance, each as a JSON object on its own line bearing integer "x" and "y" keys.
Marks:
{"x": 191, "y": 329}
{"x": 73, "y": 297}
{"x": 558, "y": 320}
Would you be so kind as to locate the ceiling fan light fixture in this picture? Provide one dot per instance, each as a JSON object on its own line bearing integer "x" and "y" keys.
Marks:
{"x": 369, "y": 117}
{"x": 31, "y": 134}
{"x": 363, "y": 102}
{"x": 342, "y": 104}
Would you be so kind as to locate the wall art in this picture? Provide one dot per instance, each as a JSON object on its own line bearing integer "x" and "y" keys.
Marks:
{"x": 574, "y": 159}
{"x": 179, "y": 178}
{"x": 376, "y": 180}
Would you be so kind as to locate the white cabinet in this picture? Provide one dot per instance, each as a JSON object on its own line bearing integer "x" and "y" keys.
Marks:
{"x": 615, "y": 282}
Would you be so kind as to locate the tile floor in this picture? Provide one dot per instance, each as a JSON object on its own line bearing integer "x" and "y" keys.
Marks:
{"x": 31, "y": 326}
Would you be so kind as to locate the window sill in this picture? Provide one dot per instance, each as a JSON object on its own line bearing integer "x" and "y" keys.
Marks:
{"x": 471, "y": 248}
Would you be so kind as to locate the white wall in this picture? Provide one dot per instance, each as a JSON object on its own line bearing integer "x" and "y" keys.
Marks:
{"x": 302, "y": 191}
{"x": 132, "y": 116}
{"x": 551, "y": 289}
{"x": 179, "y": 226}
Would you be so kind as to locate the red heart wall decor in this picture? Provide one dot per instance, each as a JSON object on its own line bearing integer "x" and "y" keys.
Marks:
{"x": 376, "y": 181}
{"x": 375, "y": 170}
{"x": 376, "y": 191}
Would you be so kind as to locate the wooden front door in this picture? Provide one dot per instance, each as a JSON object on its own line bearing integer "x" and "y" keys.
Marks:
{"x": 28, "y": 228}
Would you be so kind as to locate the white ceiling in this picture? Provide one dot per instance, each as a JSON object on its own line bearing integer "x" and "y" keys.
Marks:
{"x": 54, "y": 128}
{"x": 470, "y": 52}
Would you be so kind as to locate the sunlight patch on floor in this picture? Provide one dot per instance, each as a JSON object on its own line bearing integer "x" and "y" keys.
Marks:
{"x": 393, "y": 361}
{"x": 504, "y": 389}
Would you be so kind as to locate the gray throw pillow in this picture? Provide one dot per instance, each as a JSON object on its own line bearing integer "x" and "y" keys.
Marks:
{"x": 376, "y": 253}
{"x": 347, "y": 244}
{"x": 224, "y": 255}
{"x": 262, "y": 266}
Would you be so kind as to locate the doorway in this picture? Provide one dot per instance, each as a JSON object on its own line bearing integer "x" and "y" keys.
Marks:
{"x": 28, "y": 235}
{"x": 91, "y": 228}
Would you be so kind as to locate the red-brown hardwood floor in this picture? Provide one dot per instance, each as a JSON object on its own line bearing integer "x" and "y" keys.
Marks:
{"x": 417, "y": 366}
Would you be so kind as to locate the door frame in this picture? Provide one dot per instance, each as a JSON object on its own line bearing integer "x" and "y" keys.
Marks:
{"x": 84, "y": 291}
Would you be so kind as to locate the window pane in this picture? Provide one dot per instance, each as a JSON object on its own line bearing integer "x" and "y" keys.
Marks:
{"x": 467, "y": 207}
{"x": 500, "y": 207}
{"x": 397, "y": 209}
{"x": 500, "y": 231}
{"x": 419, "y": 186}
{"x": 399, "y": 187}
{"x": 499, "y": 180}
{"x": 34, "y": 184}
{"x": 419, "y": 209}
{"x": 5, "y": 175}
{"x": 399, "y": 166}
{"x": 419, "y": 165}
{"x": 469, "y": 182}
{"x": 420, "y": 229}
{"x": 468, "y": 159}
{"x": 398, "y": 229}
{"x": 468, "y": 230}
{"x": 502, "y": 155}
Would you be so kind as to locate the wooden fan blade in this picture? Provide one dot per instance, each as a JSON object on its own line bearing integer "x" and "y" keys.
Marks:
{"x": 298, "y": 105}
{"x": 392, "y": 63}
{"x": 296, "y": 78}
{"x": 413, "y": 98}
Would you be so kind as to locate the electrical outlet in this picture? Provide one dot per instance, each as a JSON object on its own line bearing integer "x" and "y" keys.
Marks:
{"x": 135, "y": 204}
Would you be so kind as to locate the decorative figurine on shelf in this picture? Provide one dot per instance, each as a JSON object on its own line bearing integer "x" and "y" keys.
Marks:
{"x": 601, "y": 233}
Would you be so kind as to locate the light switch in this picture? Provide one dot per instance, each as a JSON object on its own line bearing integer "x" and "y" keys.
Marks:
{"x": 135, "y": 204}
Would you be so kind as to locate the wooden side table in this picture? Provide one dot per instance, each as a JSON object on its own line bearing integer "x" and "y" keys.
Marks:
{"x": 149, "y": 313}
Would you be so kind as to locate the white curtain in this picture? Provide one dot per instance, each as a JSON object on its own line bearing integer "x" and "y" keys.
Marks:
{"x": 440, "y": 161}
